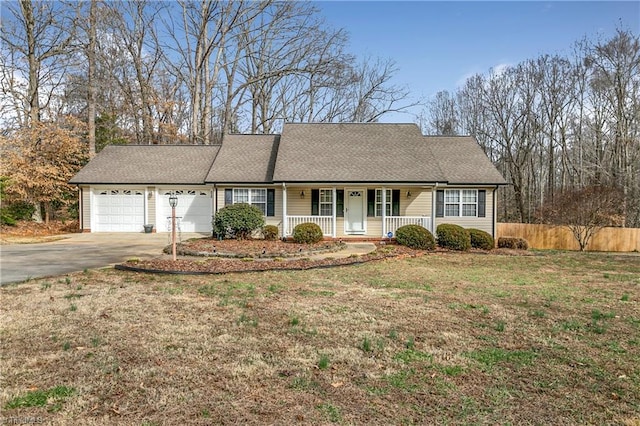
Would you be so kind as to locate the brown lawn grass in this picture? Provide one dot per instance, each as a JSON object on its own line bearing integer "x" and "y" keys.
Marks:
{"x": 444, "y": 338}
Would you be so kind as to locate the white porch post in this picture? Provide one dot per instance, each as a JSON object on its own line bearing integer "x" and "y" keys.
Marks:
{"x": 434, "y": 191}
{"x": 384, "y": 212}
{"x": 285, "y": 221}
{"x": 333, "y": 214}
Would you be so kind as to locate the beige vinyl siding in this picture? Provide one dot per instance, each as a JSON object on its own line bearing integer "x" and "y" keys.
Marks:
{"x": 297, "y": 206}
{"x": 151, "y": 207}
{"x": 374, "y": 227}
{"x": 419, "y": 204}
{"x": 483, "y": 223}
{"x": 340, "y": 227}
{"x": 86, "y": 208}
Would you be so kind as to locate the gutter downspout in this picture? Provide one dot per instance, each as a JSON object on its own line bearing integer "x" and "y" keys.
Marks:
{"x": 80, "y": 209}
{"x": 493, "y": 213}
{"x": 215, "y": 205}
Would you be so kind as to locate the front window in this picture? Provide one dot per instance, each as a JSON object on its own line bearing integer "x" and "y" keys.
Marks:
{"x": 461, "y": 202}
{"x": 252, "y": 196}
{"x": 326, "y": 202}
{"x": 388, "y": 202}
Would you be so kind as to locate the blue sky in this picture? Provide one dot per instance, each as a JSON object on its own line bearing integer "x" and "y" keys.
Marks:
{"x": 437, "y": 44}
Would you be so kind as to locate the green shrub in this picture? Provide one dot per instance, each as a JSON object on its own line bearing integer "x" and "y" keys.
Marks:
{"x": 307, "y": 233}
{"x": 6, "y": 218}
{"x": 237, "y": 221}
{"x": 453, "y": 237}
{"x": 21, "y": 210}
{"x": 481, "y": 239}
{"x": 415, "y": 236}
{"x": 270, "y": 232}
{"x": 13, "y": 212}
{"x": 513, "y": 243}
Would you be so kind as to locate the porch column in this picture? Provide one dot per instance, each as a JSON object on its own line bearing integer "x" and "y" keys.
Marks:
{"x": 434, "y": 190}
{"x": 285, "y": 221}
{"x": 333, "y": 214}
{"x": 384, "y": 212}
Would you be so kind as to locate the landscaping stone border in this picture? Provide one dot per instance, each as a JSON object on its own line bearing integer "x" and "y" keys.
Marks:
{"x": 234, "y": 265}
{"x": 182, "y": 251}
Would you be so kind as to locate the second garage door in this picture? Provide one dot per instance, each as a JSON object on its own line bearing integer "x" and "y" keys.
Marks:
{"x": 194, "y": 210}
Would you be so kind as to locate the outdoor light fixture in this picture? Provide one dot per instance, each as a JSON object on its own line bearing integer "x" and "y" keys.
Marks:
{"x": 173, "y": 200}
{"x": 408, "y": 194}
{"x": 301, "y": 194}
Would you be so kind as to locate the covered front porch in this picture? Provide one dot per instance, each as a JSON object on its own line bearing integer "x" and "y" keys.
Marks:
{"x": 356, "y": 211}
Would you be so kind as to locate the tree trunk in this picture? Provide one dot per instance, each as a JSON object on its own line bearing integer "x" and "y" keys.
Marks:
{"x": 91, "y": 102}
{"x": 34, "y": 63}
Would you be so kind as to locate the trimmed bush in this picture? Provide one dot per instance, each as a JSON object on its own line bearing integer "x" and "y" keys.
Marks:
{"x": 514, "y": 243}
{"x": 307, "y": 233}
{"x": 453, "y": 237}
{"x": 416, "y": 237}
{"x": 481, "y": 239}
{"x": 237, "y": 221}
{"x": 270, "y": 232}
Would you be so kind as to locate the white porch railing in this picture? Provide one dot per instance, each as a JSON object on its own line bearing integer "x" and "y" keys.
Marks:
{"x": 395, "y": 222}
{"x": 324, "y": 222}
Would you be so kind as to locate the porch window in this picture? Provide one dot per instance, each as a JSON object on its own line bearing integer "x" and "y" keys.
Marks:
{"x": 379, "y": 202}
{"x": 374, "y": 202}
{"x": 262, "y": 198}
{"x": 326, "y": 202}
{"x": 322, "y": 202}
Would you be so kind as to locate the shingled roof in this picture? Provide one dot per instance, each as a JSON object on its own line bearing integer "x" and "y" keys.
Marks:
{"x": 355, "y": 152}
{"x": 245, "y": 159}
{"x": 305, "y": 152}
{"x": 463, "y": 161}
{"x": 149, "y": 164}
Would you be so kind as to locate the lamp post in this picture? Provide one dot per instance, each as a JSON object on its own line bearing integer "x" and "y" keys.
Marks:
{"x": 173, "y": 202}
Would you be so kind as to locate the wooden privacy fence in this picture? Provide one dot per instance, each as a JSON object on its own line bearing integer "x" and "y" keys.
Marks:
{"x": 561, "y": 238}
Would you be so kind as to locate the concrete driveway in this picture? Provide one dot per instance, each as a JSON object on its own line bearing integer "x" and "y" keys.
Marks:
{"x": 76, "y": 252}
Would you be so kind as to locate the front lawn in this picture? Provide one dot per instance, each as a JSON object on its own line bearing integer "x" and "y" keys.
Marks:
{"x": 452, "y": 338}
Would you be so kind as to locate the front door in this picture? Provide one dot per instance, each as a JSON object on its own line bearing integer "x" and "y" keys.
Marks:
{"x": 354, "y": 211}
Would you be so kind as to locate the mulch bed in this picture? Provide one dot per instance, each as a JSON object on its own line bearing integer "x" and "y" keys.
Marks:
{"x": 210, "y": 247}
{"x": 226, "y": 265}
{"x": 220, "y": 257}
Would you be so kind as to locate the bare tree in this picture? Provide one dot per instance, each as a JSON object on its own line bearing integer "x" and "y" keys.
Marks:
{"x": 374, "y": 93}
{"x": 36, "y": 39}
{"x": 585, "y": 211}
{"x": 616, "y": 71}
{"x": 554, "y": 122}
{"x": 200, "y": 43}
{"x": 443, "y": 114}
{"x": 134, "y": 31}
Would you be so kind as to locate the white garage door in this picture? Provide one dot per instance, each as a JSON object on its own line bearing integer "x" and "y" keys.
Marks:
{"x": 193, "y": 211}
{"x": 119, "y": 210}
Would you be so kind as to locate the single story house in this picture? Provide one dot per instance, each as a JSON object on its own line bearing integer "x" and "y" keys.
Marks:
{"x": 359, "y": 180}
